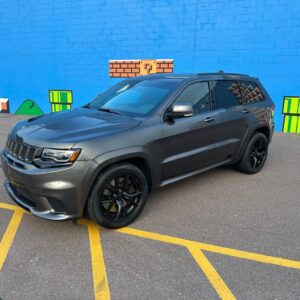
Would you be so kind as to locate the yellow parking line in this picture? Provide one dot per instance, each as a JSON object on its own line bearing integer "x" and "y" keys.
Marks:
{"x": 212, "y": 248}
{"x": 267, "y": 259}
{"x": 101, "y": 288}
{"x": 12, "y": 207}
{"x": 100, "y": 281}
{"x": 212, "y": 275}
{"x": 154, "y": 236}
{"x": 9, "y": 235}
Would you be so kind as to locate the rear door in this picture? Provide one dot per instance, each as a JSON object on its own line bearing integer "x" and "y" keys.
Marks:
{"x": 232, "y": 116}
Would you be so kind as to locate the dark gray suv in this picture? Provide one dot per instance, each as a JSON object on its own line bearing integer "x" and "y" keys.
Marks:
{"x": 144, "y": 132}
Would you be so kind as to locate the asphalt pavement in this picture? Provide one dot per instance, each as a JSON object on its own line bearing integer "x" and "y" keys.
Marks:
{"x": 221, "y": 234}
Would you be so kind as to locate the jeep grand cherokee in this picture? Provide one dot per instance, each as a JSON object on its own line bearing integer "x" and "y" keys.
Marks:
{"x": 144, "y": 132}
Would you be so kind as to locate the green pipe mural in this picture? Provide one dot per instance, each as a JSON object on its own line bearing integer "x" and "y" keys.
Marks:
{"x": 60, "y": 100}
{"x": 291, "y": 112}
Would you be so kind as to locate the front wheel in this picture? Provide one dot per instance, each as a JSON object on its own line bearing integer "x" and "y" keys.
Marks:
{"x": 118, "y": 196}
{"x": 255, "y": 154}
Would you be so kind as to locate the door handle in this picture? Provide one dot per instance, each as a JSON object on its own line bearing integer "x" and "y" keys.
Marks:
{"x": 245, "y": 111}
{"x": 209, "y": 119}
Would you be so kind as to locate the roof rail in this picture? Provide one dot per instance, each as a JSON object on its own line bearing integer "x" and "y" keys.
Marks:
{"x": 222, "y": 73}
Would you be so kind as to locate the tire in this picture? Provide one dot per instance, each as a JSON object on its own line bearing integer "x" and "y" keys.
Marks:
{"x": 118, "y": 196}
{"x": 255, "y": 154}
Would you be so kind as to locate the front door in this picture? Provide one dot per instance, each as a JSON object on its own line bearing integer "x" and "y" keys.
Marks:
{"x": 188, "y": 142}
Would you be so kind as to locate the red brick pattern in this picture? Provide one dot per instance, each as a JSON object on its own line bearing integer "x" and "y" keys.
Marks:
{"x": 4, "y": 105}
{"x": 131, "y": 68}
{"x": 165, "y": 66}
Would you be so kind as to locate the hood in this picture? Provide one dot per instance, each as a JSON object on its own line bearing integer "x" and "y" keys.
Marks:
{"x": 64, "y": 129}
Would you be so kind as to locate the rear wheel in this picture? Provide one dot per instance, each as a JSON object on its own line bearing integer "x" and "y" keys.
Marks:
{"x": 118, "y": 196}
{"x": 255, "y": 154}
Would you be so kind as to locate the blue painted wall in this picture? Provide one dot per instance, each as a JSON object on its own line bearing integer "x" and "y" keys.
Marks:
{"x": 66, "y": 44}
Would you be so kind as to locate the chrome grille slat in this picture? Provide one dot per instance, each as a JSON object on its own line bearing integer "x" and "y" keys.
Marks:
{"x": 18, "y": 148}
{"x": 9, "y": 141}
{"x": 15, "y": 145}
{"x": 10, "y": 145}
{"x": 31, "y": 154}
{"x": 21, "y": 151}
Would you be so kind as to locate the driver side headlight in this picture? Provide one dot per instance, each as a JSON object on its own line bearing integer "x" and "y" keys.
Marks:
{"x": 60, "y": 156}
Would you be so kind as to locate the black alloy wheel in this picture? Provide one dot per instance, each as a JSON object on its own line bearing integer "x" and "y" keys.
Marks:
{"x": 118, "y": 196}
{"x": 255, "y": 154}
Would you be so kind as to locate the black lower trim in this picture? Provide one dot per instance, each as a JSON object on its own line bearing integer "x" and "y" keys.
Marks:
{"x": 192, "y": 173}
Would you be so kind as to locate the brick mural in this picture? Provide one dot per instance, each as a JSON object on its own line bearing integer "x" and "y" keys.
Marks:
{"x": 4, "y": 105}
{"x": 136, "y": 67}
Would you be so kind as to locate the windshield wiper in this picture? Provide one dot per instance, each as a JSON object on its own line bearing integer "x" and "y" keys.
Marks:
{"x": 109, "y": 111}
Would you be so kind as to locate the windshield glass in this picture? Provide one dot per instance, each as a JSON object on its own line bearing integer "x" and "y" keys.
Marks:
{"x": 136, "y": 97}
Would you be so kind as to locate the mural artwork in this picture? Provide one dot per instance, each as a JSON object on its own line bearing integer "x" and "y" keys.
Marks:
{"x": 4, "y": 105}
{"x": 137, "y": 67}
{"x": 60, "y": 100}
{"x": 291, "y": 111}
{"x": 29, "y": 107}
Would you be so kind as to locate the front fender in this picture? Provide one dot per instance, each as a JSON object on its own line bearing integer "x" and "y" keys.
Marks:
{"x": 108, "y": 158}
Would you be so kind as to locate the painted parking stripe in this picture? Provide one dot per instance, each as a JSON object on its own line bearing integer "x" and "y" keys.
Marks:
{"x": 211, "y": 273}
{"x": 9, "y": 235}
{"x": 267, "y": 259}
{"x": 196, "y": 249}
{"x": 100, "y": 282}
{"x": 12, "y": 207}
{"x": 283, "y": 262}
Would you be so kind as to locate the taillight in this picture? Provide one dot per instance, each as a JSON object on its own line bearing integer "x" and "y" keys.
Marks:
{"x": 273, "y": 110}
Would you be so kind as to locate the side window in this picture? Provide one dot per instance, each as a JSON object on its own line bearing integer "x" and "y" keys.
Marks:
{"x": 251, "y": 93}
{"x": 196, "y": 94}
{"x": 227, "y": 93}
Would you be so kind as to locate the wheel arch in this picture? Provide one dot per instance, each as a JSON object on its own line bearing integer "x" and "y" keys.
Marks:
{"x": 139, "y": 158}
{"x": 263, "y": 129}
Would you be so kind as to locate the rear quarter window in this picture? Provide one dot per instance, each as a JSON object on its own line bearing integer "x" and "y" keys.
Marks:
{"x": 251, "y": 92}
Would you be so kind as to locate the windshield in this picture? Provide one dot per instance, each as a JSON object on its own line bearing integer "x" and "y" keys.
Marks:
{"x": 136, "y": 97}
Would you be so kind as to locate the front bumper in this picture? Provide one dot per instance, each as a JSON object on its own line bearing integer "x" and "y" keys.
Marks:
{"x": 49, "y": 214}
{"x": 53, "y": 193}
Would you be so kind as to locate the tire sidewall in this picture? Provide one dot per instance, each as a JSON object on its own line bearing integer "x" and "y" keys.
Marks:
{"x": 103, "y": 179}
{"x": 246, "y": 163}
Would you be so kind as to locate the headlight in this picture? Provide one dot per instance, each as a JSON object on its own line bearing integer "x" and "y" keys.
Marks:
{"x": 60, "y": 156}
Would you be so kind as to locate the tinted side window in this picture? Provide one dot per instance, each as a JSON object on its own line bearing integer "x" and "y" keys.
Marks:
{"x": 251, "y": 93}
{"x": 196, "y": 94}
{"x": 227, "y": 93}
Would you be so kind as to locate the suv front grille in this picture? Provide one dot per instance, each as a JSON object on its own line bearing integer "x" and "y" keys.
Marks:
{"x": 22, "y": 151}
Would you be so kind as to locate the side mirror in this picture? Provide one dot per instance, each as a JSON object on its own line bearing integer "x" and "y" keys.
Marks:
{"x": 180, "y": 111}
